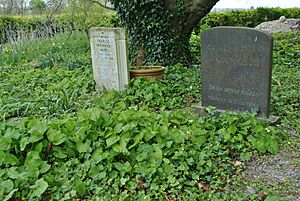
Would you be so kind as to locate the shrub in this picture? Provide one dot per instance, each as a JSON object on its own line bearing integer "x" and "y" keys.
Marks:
{"x": 15, "y": 28}
{"x": 248, "y": 18}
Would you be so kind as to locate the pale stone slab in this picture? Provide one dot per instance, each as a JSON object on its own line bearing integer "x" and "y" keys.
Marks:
{"x": 110, "y": 58}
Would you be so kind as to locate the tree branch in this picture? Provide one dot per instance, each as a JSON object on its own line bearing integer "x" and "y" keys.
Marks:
{"x": 102, "y": 5}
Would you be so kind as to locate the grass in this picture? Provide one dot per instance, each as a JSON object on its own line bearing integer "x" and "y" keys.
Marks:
{"x": 60, "y": 139}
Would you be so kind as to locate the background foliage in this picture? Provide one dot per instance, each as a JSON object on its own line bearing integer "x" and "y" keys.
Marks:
{"x": 62, "y": 140}
{"x": 151, "y": 31}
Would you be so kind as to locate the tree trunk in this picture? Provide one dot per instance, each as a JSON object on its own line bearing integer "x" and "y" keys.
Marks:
{"x": 162, "y": 28}
{"x": 193, "y": 11}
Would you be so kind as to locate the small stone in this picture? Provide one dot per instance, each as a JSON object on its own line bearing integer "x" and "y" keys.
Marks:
{"x": 282, "y": 19}
{"x": 250, "y": 190}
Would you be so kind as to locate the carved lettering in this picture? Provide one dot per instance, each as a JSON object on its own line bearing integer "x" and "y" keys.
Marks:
{"x": 242, "y": 91}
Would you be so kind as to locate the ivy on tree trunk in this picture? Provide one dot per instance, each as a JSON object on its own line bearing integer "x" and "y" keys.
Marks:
{"x": 161, "y": 28}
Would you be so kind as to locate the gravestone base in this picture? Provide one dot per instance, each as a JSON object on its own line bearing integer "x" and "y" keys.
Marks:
{"x": 201, "y": 111}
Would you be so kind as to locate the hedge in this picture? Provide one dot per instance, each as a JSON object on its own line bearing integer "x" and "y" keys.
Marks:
{"x": 13, "y": 28}
{"x": 247, "y": 18}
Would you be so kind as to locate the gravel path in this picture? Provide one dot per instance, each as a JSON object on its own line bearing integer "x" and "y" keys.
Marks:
{"x": 280, "y": 172}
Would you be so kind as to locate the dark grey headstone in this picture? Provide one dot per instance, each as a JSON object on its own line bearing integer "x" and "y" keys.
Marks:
{"x": 236, "y": 69}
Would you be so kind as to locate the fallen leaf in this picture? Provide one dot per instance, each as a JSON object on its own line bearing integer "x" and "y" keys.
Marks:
{"x": 238, "y": 164}
{"x": 261, "y": 195}
{"x": 205, "y": 187}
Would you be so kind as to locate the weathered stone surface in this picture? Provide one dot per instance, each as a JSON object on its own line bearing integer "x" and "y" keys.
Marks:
{"x": 109, "y": 56}
{"x": 281, "y": 25}
{"x": 236, "y": 69}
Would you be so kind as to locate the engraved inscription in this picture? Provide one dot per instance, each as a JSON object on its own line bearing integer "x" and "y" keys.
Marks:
{"x": 106, "y": 54}
{"x": 236, "y": 68}
{"x": 232, "y": 101}
{"x": 109, "y": 57}
{"x": 242, "y": 91}
{"x": 235, "y": 55}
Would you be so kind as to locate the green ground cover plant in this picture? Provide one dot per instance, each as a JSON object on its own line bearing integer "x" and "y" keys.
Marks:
{"x": 61, "y": 140}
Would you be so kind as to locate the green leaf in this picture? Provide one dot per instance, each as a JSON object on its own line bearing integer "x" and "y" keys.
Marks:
{"x": 39, "y": 188}
{"x": 23, "y": 143}
{"x": 178, "y": 136}
{"x": 118, "y": 128}
{"x": 44, "y": 167}
{"x": 148, "y": 134}
{"x": 11, "y": 159}
{"x": 98, "y": 155}
{"x": 9, "y": 196}
{"x": 121, "y": 146}
{"x": 94, "y": 114}
{"x": 33, "y": 160}
{"x": 97, "y": 172}
{"x": 137, "y": 139}
{"x": 80, "y": 187}
{"x": 5, "y": 143}
{"x": 164, "y": 130}
{"x": 142, "y": 156}
{"x": 232, "y": 129}
{"x": 58, "y": 152}
{"x": 55, "y": 136}
{"x": 123, "y": 167}
{"x": 2, "y": 157}
{"x": 83, "y": 147}
{"x": 7, "y": 185}
{"x": 155, "y": 157}
{"x": 37, "y": 131}
{"x": 273, "y": 147}
{"x": 260, "y": 146}
{"x": 112, "y": 140}
{"x": 123, "y": 181}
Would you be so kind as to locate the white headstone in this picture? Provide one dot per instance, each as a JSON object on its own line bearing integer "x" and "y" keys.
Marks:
{"x": 109, "y": 56}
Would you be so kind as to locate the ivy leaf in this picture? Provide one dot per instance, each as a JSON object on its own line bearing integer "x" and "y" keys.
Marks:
{"x": 97, "y": 155}
{"x": 23, "y": 143}
{"x": 273, "y": 147}
{"x": 9, "y": 196}
{"x": 123, "y": 167}
{"x": 232, "y": 129}
{"x": 83, "y": 147}
{"x": 155, "y": 157}
{"x": 44, "y": 167}
{"x": 260, "y": 146}
{"x": 5, "y": 143}
{"x": 118, "y": 128}
{"x": 120, "y": 147}
{"x": 55, "y": 136}
{"x": 97, "y": 172}
{"x": 37, "y": 131}
{"x": 178, "y": 136}
{"x": 58, "y": 152}
{"x": 94, "y": 114}
{"x": 11, "y": 159}
{"x": 39, "y": 188}
{"x": 149, "y": 134}
{"x": 80, "y": 187}
{"x": 137, "y": 139}
{"x": 2, "y": 157}
{"x": 164, "y": 130}
{"x": 112, "y": 140}
{"x": 7, "y": 185}
{"x": 33, "y": 160}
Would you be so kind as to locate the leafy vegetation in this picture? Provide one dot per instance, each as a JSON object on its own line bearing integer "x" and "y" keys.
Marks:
{"x": 247, "y": 18}
{"x": 61, "y": 140}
